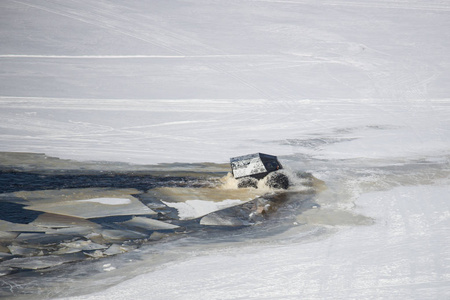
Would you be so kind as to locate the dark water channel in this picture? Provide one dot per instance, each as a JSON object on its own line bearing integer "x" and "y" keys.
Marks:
{"x": 13, "y": 181}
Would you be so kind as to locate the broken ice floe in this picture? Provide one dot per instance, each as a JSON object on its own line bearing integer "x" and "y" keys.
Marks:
{"x": 70, "y": 222}
{"x": 41, "y": 262}
{"x": 192, "y": 209}
{"x": 56, "y": 221}
{"x": 149, "y": 224}
{"x": 191, "y": 203}
{"x": 95, "y": 208}
{"x": 8, "y": 227}
{"x": 76, "y": 224}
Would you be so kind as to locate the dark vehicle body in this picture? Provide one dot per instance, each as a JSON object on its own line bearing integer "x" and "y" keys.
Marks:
{"x": 248, "y": 169}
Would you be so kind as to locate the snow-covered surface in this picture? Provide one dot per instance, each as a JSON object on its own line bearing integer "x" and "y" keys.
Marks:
{"x": 356, "y": 89}
{"x": 404, "y": 255}
{"x": 195, "y": 81}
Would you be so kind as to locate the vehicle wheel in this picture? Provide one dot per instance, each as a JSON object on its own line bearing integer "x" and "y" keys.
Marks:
{"x": 248, "y": 182}
{"x": 277, "y": 180}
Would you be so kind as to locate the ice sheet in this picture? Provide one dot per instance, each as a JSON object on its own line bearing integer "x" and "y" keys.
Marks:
{"x": 58, "y": 221}
{"x": 368, "y": 76}
{"x": 149, "y": 224}
{"x": 217, "y": 194}
{"x": 192, "y": 209}
{"x": 108, "y": 201}
{"x": 94, "y": 208}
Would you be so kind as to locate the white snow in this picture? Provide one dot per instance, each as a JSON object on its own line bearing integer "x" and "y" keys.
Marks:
{"x": 196, "y": 81}
{"x": 317, "y": 83}
{"x": 404, "y": 255}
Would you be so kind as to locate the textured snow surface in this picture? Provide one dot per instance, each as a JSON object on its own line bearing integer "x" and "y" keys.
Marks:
{"x": 195, "y": 81}
{"x": 404, "y": 255}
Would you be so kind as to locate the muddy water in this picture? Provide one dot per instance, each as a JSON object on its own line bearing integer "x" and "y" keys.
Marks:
{"x": 69, "y": 228}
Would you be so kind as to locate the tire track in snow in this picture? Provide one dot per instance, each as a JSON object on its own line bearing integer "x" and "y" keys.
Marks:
{"x": 104, "y": 19}
{"x": 155, "y": 24}
{"x": 121, "y": 56}
{"x": 406, "y": 5}
{"x": 97, "y": 23}
{"x": 221, "y": 68}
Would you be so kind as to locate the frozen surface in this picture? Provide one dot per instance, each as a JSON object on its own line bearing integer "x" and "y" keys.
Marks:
{"x": 149, "y": 224}
{"x": 195, "y": 81}
{"x": 191, "y": 209}
{"x": 404, "y": 255}
{"x": 95, "y": 208}
{"x": 108, "y": 201}
{"x": 354, "y": 91}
